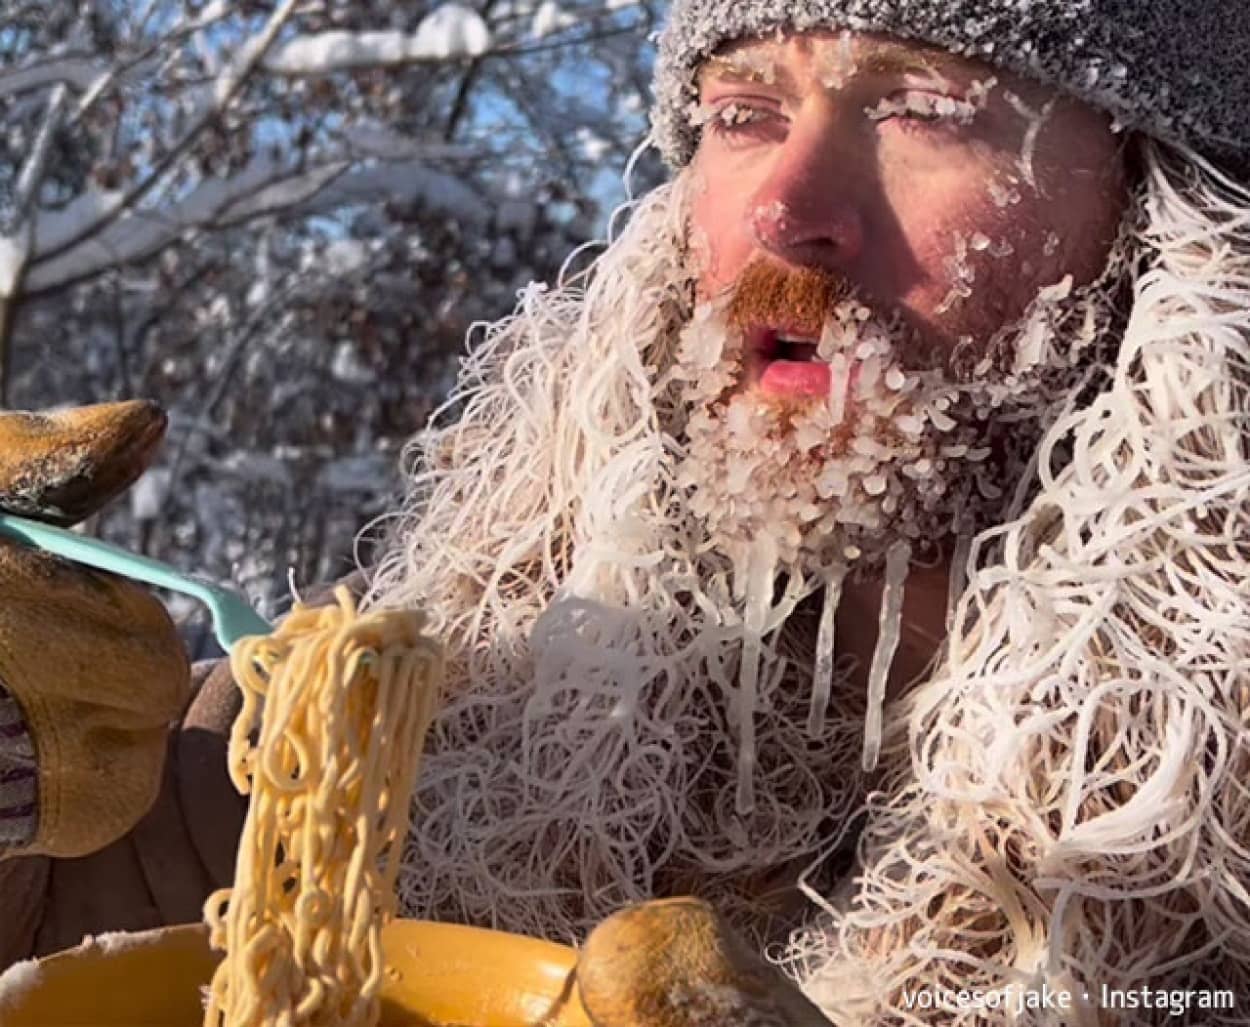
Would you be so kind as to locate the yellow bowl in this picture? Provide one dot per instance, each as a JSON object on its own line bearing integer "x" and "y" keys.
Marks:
{"x": 436, "y": 974}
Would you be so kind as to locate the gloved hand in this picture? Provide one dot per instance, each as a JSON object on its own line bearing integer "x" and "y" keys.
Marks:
{"x": 91, "y": 668}
{"x": 675, "y": 963}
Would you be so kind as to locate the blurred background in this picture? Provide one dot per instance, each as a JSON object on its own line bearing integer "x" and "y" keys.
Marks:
{"x": 279, "y": 220}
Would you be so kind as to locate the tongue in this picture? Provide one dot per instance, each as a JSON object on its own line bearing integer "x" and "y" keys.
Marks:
{"x": 796, "y": 378}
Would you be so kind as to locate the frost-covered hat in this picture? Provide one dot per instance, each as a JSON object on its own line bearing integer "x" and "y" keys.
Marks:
{"x": 1175, "y": 69}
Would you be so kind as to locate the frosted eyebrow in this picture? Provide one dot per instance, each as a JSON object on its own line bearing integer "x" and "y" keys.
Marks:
{"x": 774, "y": 73}
{"x": 735, "y": 68}
{"x": 891, "y": 62}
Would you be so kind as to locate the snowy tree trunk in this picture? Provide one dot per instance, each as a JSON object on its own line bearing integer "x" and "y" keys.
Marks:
{"x": 8, "y": 310}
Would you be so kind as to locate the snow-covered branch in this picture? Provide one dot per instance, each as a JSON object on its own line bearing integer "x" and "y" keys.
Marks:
{"x": 263, "y": 187}
{"x": 223, "y": 90}
{"x": 32, "y": 173}
{"x": 448, "y": 33}
{"x": 79, "y": 71}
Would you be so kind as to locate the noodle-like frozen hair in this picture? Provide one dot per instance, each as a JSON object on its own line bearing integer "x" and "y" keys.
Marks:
{"x": 630, "y": 705}
{"x": 1067, "y": 800}
{"x": 589, "y": 753}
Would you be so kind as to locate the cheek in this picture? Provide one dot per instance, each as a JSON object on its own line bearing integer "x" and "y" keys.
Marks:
{"x": 981, "y": 248}
{"x": 957, "y": 242}
{"x": 720, "y": 243}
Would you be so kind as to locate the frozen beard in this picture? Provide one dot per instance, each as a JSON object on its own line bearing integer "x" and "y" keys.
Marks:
{"x": 823, "y": 439}
{"x": 587, "y": 748}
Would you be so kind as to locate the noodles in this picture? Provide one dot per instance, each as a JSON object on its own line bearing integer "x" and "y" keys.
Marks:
{"x": 347, "y": 698}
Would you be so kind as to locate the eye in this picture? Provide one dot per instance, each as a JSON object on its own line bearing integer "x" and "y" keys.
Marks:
{"x": 739, "y": 120}
{"x": 923, "y": 107}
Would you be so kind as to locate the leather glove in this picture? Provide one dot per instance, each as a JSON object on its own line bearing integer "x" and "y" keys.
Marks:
{"x": 675, "y": 963}
{"x": 91, "y": 663}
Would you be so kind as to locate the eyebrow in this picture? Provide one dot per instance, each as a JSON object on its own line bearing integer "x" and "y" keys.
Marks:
{"x": 728, "y": 68}
{"x": 899, "y": 62}
{"x": 731, "y": 68}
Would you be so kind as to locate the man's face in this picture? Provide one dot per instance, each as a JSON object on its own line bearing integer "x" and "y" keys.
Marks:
{"x": 889, "y": 244}
{"x": 945, "y": 191}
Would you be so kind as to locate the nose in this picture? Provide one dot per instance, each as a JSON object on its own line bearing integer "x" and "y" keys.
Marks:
{"x": 805, "y": 211}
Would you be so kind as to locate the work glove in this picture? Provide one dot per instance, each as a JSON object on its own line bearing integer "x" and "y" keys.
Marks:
{"x": 91, "y": 668}
{"x": 676, "y": 963}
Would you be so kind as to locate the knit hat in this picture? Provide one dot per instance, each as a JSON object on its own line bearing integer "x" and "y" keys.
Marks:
{"x": 1175, "y": 69}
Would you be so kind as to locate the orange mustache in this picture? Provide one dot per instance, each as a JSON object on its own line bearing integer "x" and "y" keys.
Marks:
{"x": 799, "y": 299}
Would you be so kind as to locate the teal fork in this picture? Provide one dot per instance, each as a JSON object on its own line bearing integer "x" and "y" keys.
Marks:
{"x": 233, "y": 616}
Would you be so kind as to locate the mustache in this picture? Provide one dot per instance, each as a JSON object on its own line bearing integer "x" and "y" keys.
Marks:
{"x": 802, "y": 299}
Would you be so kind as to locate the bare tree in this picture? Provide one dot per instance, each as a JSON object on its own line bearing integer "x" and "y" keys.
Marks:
{"x": 278, "y": 219}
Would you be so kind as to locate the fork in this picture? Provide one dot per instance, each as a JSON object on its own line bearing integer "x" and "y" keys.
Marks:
{"x": 233, "y": 616}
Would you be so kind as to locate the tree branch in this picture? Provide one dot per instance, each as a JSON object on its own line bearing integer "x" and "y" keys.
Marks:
{"x": 227, "y": 87}
{"x": 31, "y": 177}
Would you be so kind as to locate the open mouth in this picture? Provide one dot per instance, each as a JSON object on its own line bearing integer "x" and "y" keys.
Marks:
{"x": 782, "y": 362}
{"x": 769, "y": 344}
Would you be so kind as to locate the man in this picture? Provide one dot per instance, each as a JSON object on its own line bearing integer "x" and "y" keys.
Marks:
{"x": 923, "y": 270}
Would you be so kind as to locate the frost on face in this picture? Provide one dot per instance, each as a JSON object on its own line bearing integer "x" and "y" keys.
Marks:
{"x": 727, "y": 114}
{"x": 979, "y": 92}
{"x": 753, "y": 65}
{"x": 837, "y": 66}
{"x": 1036, "y": 121}
{"x": 769, "y": 220}
{"x": 935, "y": 100}
{"x": 1005, "y": 194}
{"x": 960, "y": 273}
{"x": 820, "y": 481}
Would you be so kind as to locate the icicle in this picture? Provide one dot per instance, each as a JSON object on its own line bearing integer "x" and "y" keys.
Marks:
{"x": 958, "y": 576}
{"x": 822, "y": 675}
{"x": 839, "y": 377}
{"x": 761, "y": 568}
{"x": 888, "y": 631}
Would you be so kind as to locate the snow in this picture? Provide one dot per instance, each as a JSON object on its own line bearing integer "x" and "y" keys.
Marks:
{"x": 347, "y": 367}
{"x": 262, "y": 186}
{"x": 54, "y": 228}
{"x": 114, "y": 942}
{"x": 149, "y": 326}
{"x": 147, "y": 495}
{"x": 594, "y": 147}
{"x": 451, "y": 30}
{"x": 373, "y": 139}
{"x": 252, "y": 196}
{"x": 13, "y": 252}
{"x": 17, "y": 979}
{"x": 404, "y": 182}
{"x": 260, "y": 468}
{"x": 344, "y": 256}
{"x": 549, "y": 19}
{"x": 78, "y": 72}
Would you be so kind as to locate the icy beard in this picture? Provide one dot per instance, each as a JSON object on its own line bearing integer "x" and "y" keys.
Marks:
{"x": 906, "y": 446}
{"x": 907, "y": 454}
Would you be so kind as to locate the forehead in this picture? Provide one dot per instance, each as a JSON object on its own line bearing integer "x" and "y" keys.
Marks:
{"x": 786, "y": 59}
